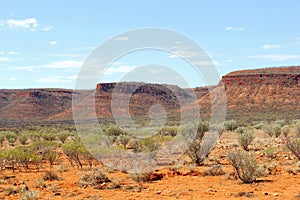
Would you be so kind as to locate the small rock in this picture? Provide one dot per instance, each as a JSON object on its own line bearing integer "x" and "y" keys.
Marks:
{"x": 265, "y": 193}
{"x": 275, "y": 194}
{"x": 158, "y": 192}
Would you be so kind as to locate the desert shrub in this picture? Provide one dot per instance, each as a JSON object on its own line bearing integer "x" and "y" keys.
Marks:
{"x": 23, "y": 137}
{"x": 74, "y": 150}
{"x": 272, "y": 130}
{"x": 114, "y": 130}
{"x": 246, "y": 138}
{"x": 93, "y": 178}
{"x": 169, "y": 131}
{"x": 259, "y": 125}
{"x": 297, "y": 128}
{"x": 281, "y": 123}
{"x": 198, "y": 150}
{"x": 270, "y": 152}
{"x": 285, "y": 130}
{"x": 215, "y": 170}
{"x": 51, "y": 176}
{"x": 246, "y": 167}
{"x": 230, "y": 125}
{"x": 63, "y": 136}
{"x": 2, "y": 138}
{"x": 141, "y": 177}
{"x": 22, "y": 155}
{"x": 11, "y": 137}
{"x": 46, "y": 149}
{"x": 49, "y": 136}
{"x": 149, "y": 144}
{"x": 29, "y": 195}
{"x": 241, "y": 130}
{"x": 123, "y": 139}
{"x": 293, "y": 144}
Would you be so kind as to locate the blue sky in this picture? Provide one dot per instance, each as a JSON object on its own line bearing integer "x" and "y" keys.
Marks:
{"x": 44, "y": 43}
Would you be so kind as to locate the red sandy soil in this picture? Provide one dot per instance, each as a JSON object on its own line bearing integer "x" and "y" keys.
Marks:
{"x": 279, "y": 184}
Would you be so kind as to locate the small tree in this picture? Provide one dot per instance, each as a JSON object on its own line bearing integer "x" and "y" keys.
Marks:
{"x": 74, "y": 150}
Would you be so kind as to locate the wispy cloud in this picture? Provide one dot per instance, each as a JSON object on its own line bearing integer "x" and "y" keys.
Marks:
{"x": 27, "y": 24}
{"x": 53, "y": 43}
{"x": 57, "y": 79}
{"x": 229, "y": 60}
{"x": 122, "y": 38}
{"x": 276, "y": 57}
{"x": 65, "y": 64}
{"x": 13, "y": 79}
{"x": 122, "y": 69}
{"x": 231, "y": 28}
{"x": 270, "y": 46}
{"x": 5, "y": 59}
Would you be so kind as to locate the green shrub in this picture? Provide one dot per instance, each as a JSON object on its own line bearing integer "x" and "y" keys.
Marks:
{"x": 246, "y": 138}
{"x": 74, "y": 150}
{"x": 11, "y": 137}
{"x": 293, "y": 144}
{"x": 23, "y": 137}
{"x": 241, "y": 130}
{"x": 2, "y": 138}
{"x": 273, "y": 130}
{"x": 199, "y": 150}
{"x": 245, "y": 165}
{"x": 285, "y": 130}
{"x": 259, "y": 125}
{"x": 215, "y": 170}
{"x": 114, "y": 130}
{"x": 230, "y": 125}
{"x": 63, "y": 136}
{"x": 169, "y": 131}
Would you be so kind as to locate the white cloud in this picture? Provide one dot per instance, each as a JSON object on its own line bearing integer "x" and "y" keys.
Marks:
{"x": 122, "y": 38}
{"x": 276, "y": 57}
{"x": 231, "y": 28}
{"x": 53, "y": 43}
{"x": 122, "y": 69}
{"x": 270, "y": 46}
{"x": 229, "y": 60}
{"x": 173, "y": 56}
{"x": 57, "y": 79}
{"x": 29, "y": 24}
{"x": 4, "y": 59}
{"x": 13, "y": 53}
{"x": 13, "y": 79}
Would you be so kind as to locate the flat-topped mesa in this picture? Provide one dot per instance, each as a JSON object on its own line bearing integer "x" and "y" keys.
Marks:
{"x": 288, "y": 77}
{"x": 141, "y": 88}
{"x": 278, "y": 79}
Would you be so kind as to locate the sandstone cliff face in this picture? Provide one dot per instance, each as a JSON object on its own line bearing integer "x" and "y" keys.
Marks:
{"x": 264, "y": 95}
{"x": 251, "y": 95}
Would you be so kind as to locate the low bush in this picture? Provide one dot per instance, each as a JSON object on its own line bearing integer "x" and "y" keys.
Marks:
{"x": 93, "y": 178}
{"x": 230, "y": 125}
{"x": 215, "y": 170}
{"x": 272, "y": 130}
{"x": 51, "y": 176}
{"x": 293, "y": 144}
{"x": 246, "y": 167}
{"x": 246, "y": 138}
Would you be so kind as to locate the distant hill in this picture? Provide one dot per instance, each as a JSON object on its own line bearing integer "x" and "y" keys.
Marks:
{"x": 252, "y": 95}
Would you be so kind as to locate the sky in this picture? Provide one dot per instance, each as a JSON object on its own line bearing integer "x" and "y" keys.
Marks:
{"x": 43, "y": 44}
